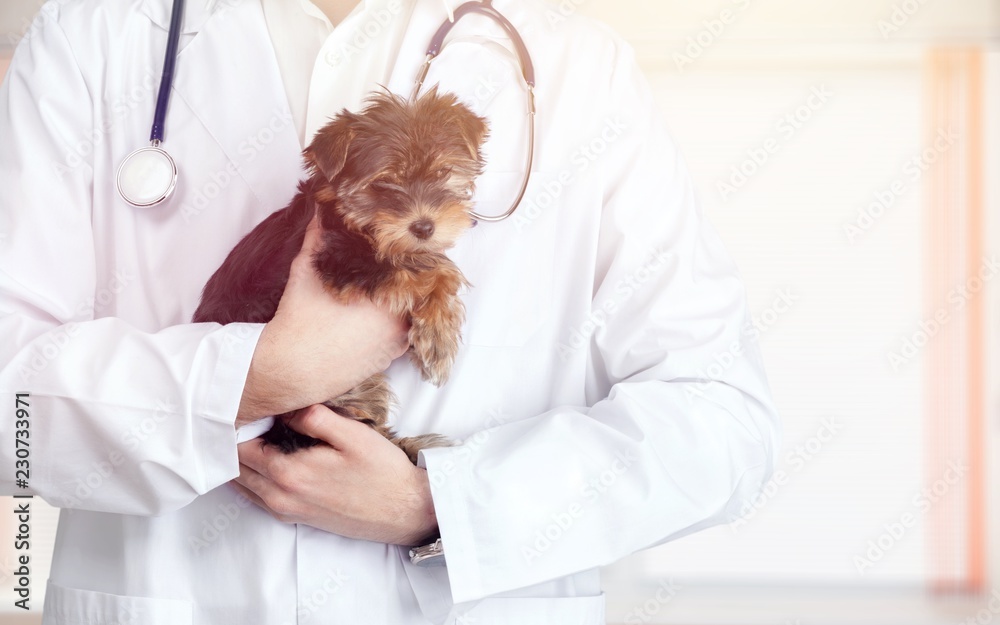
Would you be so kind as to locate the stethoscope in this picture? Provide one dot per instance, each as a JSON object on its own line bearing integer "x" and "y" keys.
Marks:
{"x": 148, "y": 176}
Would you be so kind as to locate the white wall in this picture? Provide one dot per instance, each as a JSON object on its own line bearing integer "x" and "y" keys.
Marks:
{"x": 799, "y": 20}
{"x": 827, "y": 356}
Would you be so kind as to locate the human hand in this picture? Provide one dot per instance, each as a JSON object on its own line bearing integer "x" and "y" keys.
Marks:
{"x": 358, "y": 485}
{"x": 316, "y": 347}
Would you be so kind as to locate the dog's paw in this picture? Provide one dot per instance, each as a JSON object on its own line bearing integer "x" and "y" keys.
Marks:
{"x": 435, "y": 333}
{"x": 368, "y": 402}
{"x": 413, "y": 444}
{"x": 433, "y": 351}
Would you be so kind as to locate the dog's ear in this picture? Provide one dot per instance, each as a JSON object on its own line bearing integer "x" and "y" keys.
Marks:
{"x": 327, "y": 154}
{"x": 451, "y": 112}
{"x": 474, "y": 129}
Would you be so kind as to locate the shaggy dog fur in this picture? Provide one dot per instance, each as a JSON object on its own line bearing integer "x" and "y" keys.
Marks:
{"x": 393, "y": 187}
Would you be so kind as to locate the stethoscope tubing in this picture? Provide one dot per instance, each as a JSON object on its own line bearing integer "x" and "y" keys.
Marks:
{"x": 169, "y": 67}
{"x": 136, "y": 196}
{"x": 483, "y": 7}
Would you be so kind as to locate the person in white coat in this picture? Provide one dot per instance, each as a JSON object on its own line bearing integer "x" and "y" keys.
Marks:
{"x": 609, "y": 395}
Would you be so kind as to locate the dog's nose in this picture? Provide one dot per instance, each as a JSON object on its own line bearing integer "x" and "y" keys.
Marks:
{"x": 422, "y": 229}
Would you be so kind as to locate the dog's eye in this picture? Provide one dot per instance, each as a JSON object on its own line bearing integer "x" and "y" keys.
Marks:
{"x": 443, "y": 173}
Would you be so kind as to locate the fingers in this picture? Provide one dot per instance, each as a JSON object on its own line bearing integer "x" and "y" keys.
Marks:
{"x": 320, "y": 422}
{"x": 260, "y": 457}
{"x": 249, "y": 494}
{"x": 252, "y": 481}
{"x": 259, "y": 493}
{"x": 271, "y": 485}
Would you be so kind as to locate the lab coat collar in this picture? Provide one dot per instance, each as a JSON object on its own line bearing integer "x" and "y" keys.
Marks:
{"x": 228, "y": 38}
{"x": 238, "y": 31}
{"x": 449, "y": 6}
{"x": 196, "y": 12}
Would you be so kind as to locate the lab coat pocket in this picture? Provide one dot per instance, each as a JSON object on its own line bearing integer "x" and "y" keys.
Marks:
{"x": 587, "y": 610}
{"x": 72, "y": 606}
{"x": 508, "y": 263}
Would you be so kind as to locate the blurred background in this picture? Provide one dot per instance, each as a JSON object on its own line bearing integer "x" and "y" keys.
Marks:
{"x": 849, "y": 154}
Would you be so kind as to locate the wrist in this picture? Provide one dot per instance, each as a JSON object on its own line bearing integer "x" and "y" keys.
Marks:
{"x": 261, "y": 396}
{"x": 422, "y": 527}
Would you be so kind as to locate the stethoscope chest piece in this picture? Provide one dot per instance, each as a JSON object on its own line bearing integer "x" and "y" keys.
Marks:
{"x": 147, "y": 177}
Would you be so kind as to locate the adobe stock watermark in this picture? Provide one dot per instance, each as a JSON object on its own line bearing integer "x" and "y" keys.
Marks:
{"x": 899, "y": 17}
{"x": 785, "y": 129}
{"x": 30, "y": 26}
{"x": 713, "y": 29}
{"x": 913, "y": 170}
{"x": 311, "y": 602}
{"x": 225, "y": 515}
{"x": 921, "y": 503}
{"x": 76, "y": 154}
{"x": 364, "y": 34}
{"x": 655, "y": 261}
{"x": 562, "y": 522}
{"x": 101, "y": 471}
{"x": 581, "y": 160}
{"x": 488, "y": 87}
{"x": 251, "y": 147}
{"x": 796, "y": 460}
{"x": 466, "y": 619}
{"x": 650, "y": 608}
{"x": 560, "y": 13}
{"x": 52, "y": 345}
{"x": 955, "y": 301}
{"x": 988, "y": 614}
{"x": 464, "y": 452}
{"x": 752, "y": 330}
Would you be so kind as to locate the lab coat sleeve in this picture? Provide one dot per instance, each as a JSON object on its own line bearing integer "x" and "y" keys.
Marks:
{"x": 681, "y": 428}
{"x": 112, "y": 418}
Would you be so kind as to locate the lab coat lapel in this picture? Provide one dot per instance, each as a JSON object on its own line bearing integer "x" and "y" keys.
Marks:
{"x": 427, "y": 16}
{"x": 196, "y": 13}
{"x": 229, "y": 78}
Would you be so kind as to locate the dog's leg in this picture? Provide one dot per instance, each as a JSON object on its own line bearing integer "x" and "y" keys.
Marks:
{"x": 436, "y": 325}
{"x": 413, "y": 444}
{"x": 368, "y": 402}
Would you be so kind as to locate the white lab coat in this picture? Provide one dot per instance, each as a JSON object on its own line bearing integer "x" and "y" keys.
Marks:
{"x": 610, "y": 392}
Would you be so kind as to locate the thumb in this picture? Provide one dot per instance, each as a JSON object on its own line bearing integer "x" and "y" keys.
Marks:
{"x": 313, "y": 232}
{"x": 302, "y": 265}
{"x": 303, "y": 269}
{"x": 318, "y": 421}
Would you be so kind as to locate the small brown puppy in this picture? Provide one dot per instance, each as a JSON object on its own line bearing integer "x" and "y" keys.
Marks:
{"x": 392, "y": 186}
